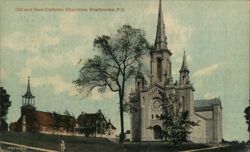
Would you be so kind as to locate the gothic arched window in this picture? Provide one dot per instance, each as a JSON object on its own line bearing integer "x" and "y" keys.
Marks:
{"x": 183, "y": 102}
{"x": 159, "y": 68}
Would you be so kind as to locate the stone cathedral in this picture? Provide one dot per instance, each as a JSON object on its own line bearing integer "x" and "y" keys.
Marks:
{"x": 146, "y": 98}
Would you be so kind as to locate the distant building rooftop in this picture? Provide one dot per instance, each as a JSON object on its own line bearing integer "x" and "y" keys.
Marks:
{"x": 206, "y": 103}
{"x": 94, "y": 118}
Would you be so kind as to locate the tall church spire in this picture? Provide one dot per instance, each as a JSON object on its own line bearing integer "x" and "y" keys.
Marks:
{"x": 160, "y": 40}
{"x": 184, "y": 67}
{"x": 161, "y": 71}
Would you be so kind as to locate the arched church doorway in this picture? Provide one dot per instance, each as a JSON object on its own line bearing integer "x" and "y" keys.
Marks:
{"x": 157, "y": 132}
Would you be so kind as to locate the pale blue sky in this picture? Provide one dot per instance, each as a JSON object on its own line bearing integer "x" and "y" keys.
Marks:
{"x": 48, "y": 45}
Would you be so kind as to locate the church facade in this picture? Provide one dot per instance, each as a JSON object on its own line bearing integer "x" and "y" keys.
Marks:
{"x": 146, "y": 98}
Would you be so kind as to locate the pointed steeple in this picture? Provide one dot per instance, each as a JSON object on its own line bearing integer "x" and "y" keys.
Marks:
{"x": 160, "y": 40}
{"x": 184, "y": 67}
{"x": 160, "y": 65}
{"x": 28, "y": 92}
{"x": 28, "y": 98}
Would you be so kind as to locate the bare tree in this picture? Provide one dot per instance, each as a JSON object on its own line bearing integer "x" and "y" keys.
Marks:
{"x": 116, "y": 64}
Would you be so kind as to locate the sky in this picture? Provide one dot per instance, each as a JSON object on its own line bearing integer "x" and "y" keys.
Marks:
{"x": 48, "y": 45}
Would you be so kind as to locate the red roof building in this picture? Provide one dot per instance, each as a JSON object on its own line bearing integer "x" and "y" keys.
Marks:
{"x": 32, "y": 120}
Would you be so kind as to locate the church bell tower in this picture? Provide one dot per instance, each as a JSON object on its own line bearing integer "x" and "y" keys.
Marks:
{"x": 186, "y": 88}
{"x": 28, "y": 99}
{"x": 28, "y": 107}
{"x": 184, "y": 72}
{"x": 160, "y": 56}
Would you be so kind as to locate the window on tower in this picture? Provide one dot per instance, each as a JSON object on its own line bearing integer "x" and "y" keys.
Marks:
{"x": 159, "y": 68}
{"x": 183, "y": 102}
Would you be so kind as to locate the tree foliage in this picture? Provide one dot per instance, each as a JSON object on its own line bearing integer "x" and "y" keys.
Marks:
{"x": 87, "y": 129}
{"x": 247, "y": 116}
{"x": 5, "y": 103}
{"x": 116, "y": 63}
{"x": 66, "y": 121}
{"x": 177, "y": 125}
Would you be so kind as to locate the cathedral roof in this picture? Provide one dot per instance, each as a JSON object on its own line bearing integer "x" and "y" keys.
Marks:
{"x": 204, "y": 103}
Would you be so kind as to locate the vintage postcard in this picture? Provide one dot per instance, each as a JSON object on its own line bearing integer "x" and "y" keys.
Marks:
{"x": 124, "y": 75}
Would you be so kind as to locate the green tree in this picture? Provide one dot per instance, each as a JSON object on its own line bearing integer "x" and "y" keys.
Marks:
{"x": 115, "y": 64}
{"x": 69, "y": 121}
{"x": 247, "y": 116}
{"x": 177, "y": 125}
{"x": 89, "y": 126}
{"x": 5, "y": 103}
{"x": 87, "y": 129}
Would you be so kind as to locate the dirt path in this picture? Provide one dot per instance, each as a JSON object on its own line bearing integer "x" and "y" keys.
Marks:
{"x": 204, "y": 149}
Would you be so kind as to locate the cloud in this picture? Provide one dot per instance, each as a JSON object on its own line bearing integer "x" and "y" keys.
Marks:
{"x": 207, "y": 71}
{"x": 24, "y": 73}
{"x": 78, "y": 53}
{"x": 96, "y": 96}
{"x": 210, "y": 95}
{"x": 70, "y": 25}
{"x": 56, "y": 82}
{"x": 2, "y": 73}
{"x": 47, "y": 28}
{"x": 51, "y": 40}
{"x": 29, "y": 41}
{"x": 152, "y": 8}
{"x": 179, "y": 34}
{"x": 53, "y": 61}
{"x": 59, "y": 85}
{"x": 180, "y": 59}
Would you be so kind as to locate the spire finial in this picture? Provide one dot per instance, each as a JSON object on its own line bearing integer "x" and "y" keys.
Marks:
{"x": 160, "y": 40}
{"x": 28, "y": 91}
{"x": 28, "y": 85}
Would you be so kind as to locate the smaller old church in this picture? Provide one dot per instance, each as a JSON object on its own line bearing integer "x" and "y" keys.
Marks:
{"x": 32, "y": 120}
{"x": 147, "y": 100}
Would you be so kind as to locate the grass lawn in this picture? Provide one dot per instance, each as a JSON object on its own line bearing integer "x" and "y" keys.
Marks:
{"x": 82, "y": 144}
